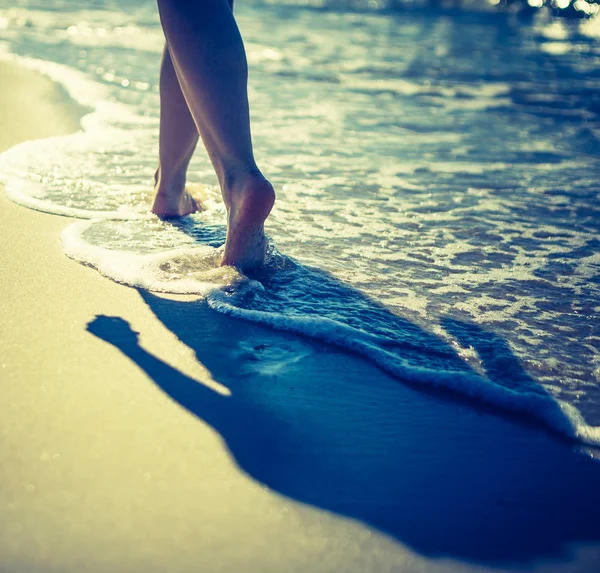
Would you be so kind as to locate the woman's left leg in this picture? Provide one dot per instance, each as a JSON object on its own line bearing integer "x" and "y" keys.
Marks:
{"x": 178, "y": 137}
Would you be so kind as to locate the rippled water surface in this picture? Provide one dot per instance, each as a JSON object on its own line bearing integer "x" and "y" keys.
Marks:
{"x": 438, "y": 172}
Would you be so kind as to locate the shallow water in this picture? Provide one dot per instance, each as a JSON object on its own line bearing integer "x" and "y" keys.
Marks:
{"x": 438, "y": 204}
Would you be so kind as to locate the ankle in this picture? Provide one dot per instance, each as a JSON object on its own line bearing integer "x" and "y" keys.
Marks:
{"x": 168, "y": 183}
{"x": 245, "y": 177}
{"x": 250, "y": 197}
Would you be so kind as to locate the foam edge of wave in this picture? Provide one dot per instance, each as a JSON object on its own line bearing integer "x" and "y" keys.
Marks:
{"x": 143, "y": 270}
{"x": 556, "y": 414}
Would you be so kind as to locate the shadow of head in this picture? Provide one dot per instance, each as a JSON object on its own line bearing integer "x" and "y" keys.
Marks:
{"x": 330, "y": 430}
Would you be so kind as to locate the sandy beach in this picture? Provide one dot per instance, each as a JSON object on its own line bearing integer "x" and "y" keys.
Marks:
{"x": 212, "y": 444}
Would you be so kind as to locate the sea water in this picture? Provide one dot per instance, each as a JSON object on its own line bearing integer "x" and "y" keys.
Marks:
{"x": 437, "y": 179}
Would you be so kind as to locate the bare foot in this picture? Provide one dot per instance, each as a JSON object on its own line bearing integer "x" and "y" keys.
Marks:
{"x": 249, "y": 198}
{"x": 172, "y": 199}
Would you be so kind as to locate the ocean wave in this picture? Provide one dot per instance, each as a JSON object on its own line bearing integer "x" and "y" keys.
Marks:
{"x": 440, "y": 187}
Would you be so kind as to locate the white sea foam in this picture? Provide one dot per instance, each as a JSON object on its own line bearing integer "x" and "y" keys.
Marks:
{"x": 180, "y": 271}
{"x": 67, "y": 175}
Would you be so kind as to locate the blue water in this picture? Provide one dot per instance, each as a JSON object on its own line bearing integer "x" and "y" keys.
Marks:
{"x": 437, "y": 178}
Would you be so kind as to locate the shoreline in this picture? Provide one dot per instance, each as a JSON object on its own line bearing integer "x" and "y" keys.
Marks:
{"x": 120, "y": 456}
{"x": 43, "y": 110}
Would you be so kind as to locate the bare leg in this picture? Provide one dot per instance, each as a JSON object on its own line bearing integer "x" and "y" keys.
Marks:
{"x": 210, "y": 62}
{"x": 178, "y": 137}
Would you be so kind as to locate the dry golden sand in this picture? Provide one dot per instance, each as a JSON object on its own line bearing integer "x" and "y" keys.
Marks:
{"x": 101, "y": 471}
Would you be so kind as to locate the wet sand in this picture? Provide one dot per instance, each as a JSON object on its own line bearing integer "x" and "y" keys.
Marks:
{"x": 217, "y": 445}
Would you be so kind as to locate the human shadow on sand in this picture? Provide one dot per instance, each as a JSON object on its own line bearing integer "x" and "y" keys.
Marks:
{"x": 443, "y": 475}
